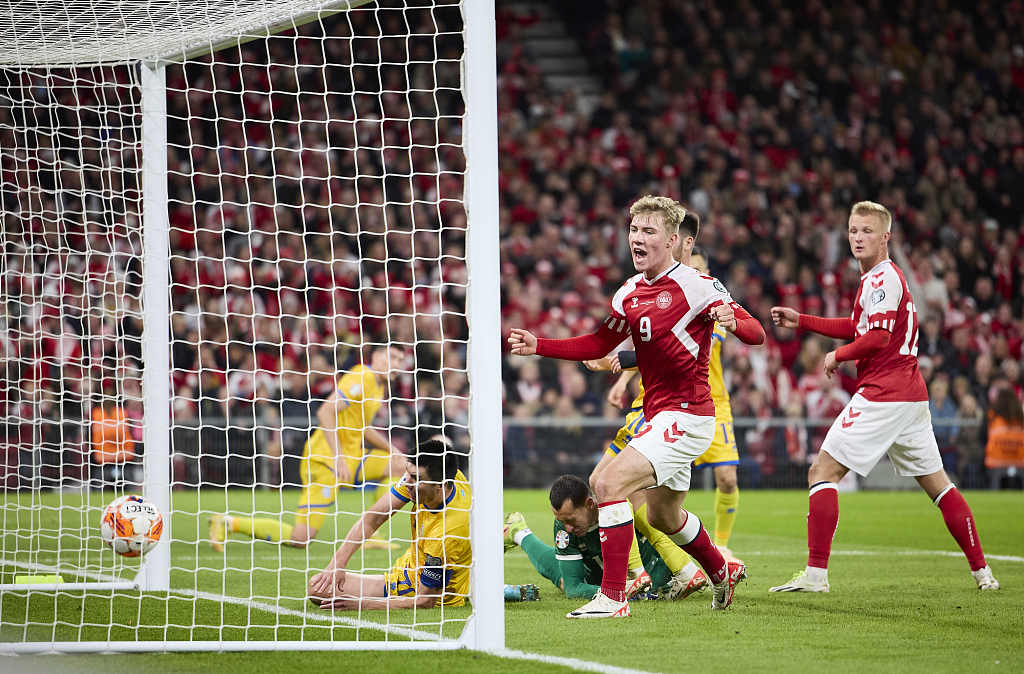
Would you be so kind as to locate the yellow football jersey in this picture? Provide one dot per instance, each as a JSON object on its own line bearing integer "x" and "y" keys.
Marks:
{"x": 716, "y": 378}
{"x": 440, "y": 554}
{"x": 363, "y": 395}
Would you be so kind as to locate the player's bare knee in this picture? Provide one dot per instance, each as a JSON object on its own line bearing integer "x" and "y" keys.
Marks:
{"x": 661, "y": 520}
{"x": 726, "y": 482}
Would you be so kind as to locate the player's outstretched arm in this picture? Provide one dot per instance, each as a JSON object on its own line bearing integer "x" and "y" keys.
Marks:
{"x": 837, "y": 328}
{"x": 371, "y": 520}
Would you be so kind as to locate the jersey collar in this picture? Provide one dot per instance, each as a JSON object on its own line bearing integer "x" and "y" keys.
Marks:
{"x": 869, "y": 271}
{"x": 661, "y": 275}
{"x": 447, "y": 500}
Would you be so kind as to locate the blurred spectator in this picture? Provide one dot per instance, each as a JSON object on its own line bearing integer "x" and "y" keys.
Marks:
{"x": 970, "y": 444}
{"x": 113, "y": 446}
{"x": 943, "y": 411}
{"x": 1004, "y": 453}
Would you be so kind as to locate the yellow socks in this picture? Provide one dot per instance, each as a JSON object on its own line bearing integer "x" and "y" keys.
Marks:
{"x": 674, "y": 557}
{"x": 263, "y": 529}
{"x": 636, "y": 563}
{"x": 725, "y": 515}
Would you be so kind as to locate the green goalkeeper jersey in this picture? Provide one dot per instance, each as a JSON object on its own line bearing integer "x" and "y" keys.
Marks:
{"x": 579, "y": 559}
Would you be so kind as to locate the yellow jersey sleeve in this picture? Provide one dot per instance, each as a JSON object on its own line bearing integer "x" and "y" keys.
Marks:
{"x": 716, "y": 376}
{"x": 638, "y": 401}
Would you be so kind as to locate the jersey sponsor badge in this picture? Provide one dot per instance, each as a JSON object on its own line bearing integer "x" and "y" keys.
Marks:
{"x": 326, "y": 492}
{"x": 562, "y": 539}
{"x": 355, "y": 390}
{"x": 664, "y": 299}
{"x": 635, "y": 302}
{"x": 877, "y": 296}
{"x": 718, "y": 286}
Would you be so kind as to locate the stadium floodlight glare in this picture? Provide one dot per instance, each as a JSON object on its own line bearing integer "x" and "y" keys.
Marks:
{"x": 208, "y": 212}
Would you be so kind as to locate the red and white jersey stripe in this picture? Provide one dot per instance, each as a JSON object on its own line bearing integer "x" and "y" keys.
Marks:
{"x": 884, "y": 302}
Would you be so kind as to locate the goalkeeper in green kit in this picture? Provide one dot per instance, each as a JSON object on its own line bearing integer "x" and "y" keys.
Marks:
{"x": 574, "y": 565}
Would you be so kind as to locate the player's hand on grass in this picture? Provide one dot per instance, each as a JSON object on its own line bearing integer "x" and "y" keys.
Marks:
{"x": 340, "y": 604}
{"x": 724, "y": 316}
{"x": 523, "y": 342}
{"x": 784, "y": 317}
{"x": 326, "y": 584}
{"x": 831, "y": 364}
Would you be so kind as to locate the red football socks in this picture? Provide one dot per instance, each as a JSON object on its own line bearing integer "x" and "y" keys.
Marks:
{"x": 694, "y": 539}
{"x": 616, "y": 521}
{"x": 822, "y": 520}
{"x": 960, "y": 522}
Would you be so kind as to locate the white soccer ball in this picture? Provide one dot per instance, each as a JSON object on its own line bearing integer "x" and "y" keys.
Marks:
{"x": 131, "y": 525}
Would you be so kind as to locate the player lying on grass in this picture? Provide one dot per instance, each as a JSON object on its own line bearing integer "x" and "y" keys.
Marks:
{"x": 435, "y": 568}
{"x": 722, "y": 455}
{"x": 574, "y": 565}
{"x": 888, "y": 414}
{"x": 669, "y": 310}
{"x": 344, "y": 451}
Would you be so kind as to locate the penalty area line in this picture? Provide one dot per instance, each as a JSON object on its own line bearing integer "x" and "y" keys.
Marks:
{"x": 574, "y": 663}
{"x": 325, "y": 617}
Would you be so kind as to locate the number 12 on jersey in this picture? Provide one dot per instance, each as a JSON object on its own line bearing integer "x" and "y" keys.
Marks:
{"x": 909, "y": 347}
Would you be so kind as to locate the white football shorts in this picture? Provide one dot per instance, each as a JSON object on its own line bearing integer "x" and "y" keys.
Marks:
{"x": 866, "y": 430}
{"x": 671, "y": 441}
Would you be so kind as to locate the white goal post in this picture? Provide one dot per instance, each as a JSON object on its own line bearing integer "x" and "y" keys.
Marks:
{"x": 155, "y": 206}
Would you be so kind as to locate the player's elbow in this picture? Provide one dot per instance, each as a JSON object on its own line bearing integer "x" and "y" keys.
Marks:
{"x": 427, "y": 600}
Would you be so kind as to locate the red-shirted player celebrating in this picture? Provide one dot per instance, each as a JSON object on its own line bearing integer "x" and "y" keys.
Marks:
{"x": 889, "y": 412}
{"x": 670, "y": 310}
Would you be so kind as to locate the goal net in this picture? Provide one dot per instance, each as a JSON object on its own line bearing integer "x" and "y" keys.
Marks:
{"x": 242, "y": 248}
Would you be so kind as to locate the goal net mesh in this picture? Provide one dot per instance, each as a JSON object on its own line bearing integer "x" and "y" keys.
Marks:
{"x": 315, "y": 174}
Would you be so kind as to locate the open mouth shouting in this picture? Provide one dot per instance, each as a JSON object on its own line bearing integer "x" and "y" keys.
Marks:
{"x": 639, "y": 255}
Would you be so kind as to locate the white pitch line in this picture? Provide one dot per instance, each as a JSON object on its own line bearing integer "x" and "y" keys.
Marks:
{"x": 241, "y": 601}
{"x": 582, "y": 665}
{"x": 882, "y": 552}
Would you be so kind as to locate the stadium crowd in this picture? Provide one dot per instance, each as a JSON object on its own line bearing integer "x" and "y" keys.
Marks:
{"x": 768, "y": 121}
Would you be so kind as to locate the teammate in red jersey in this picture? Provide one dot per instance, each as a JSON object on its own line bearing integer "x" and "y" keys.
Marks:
{"x": 889, "y": 412}
{"x": 670, "y": 310}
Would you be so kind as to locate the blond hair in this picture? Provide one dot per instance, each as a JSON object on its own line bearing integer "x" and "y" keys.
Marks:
{"x": 875, "y": 209}
{"x": 671, "y": 212}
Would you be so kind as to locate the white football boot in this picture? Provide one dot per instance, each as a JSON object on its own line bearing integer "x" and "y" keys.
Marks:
{"x": 686, "y": 582}
{"x": 804, "y": 582}
{"x": 601, "y": 606}
{"x": 721, "y": 596}
{"x": 985, "y": 579}
{"x": 639, "y": 583}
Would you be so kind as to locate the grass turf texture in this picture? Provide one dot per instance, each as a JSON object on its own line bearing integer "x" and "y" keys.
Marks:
{"x": 892, "y": 605}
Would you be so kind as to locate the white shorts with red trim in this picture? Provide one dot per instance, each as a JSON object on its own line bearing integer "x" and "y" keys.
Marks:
{"x": 867, "y": 430}
{"x": 671, "y": 441}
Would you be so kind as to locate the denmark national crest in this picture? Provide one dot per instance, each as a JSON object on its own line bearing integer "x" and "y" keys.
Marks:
{"x": 562, "y": 539}
{"x": 664, "y": 299}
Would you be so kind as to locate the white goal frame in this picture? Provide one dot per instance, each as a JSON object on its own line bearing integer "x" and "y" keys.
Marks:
{"x": 485, "y": 629}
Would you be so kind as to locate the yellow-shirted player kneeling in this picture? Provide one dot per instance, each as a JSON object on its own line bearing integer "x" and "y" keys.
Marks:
{"x": 435, "y": 568}
{"x": 344, "y": 451}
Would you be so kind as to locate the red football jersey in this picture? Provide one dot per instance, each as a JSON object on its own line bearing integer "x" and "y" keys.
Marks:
{"x": 671, "y": 328}
{"x": 884, "y": 301}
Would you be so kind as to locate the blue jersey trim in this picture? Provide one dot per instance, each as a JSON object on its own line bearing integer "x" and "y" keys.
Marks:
{"x": 614, "y": 449}
{"x": 715, "y": 335}
{"x": 395, "y": 492}
{"x": 317, "y": 505}
{"x": 717, "y": 463}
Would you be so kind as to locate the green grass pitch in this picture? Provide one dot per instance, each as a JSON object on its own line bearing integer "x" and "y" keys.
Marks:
{"x": 896, "y": 604}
